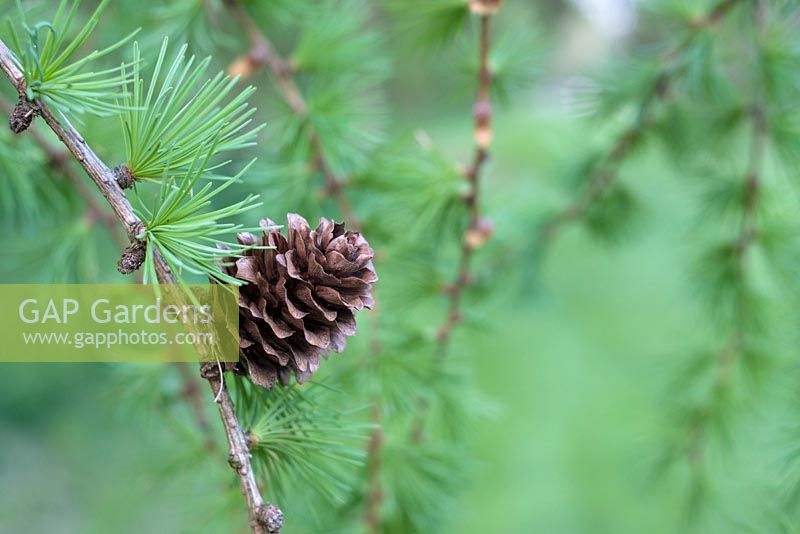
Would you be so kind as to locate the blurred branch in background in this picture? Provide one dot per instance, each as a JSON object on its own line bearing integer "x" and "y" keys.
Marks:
{"x": 606, "y": 168}
{"x": 739, "y": 344}
{"x": 732, "y": 263}
{"x": 263, "y": 53}
{"x": 479, "y": 229}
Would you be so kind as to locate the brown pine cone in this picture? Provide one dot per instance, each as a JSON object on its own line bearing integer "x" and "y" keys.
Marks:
{"x": 300, "y": 297}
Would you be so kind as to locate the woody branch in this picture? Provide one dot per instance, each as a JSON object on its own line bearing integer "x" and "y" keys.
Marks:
{"x": 239, "y": 455}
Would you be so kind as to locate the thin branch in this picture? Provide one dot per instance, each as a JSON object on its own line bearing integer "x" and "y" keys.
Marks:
{"x": 607, "y": 169}
{"x": 477, "y": 230}
{"x": 263, "y": 54}
{"x": 747, "y": 237}
{"x": 258, "y": 510}
{"x": 736, "y": 343}
{"x": 103, "y": 177}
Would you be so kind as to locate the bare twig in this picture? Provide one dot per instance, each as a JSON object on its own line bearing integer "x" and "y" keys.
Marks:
{"x": 478, "y": 229}
{"x": 263, "y": 53}
{"x": 103, "y": 177}
{"x": 239, "y": 458}
{"x": 746, "y": 239}
{"x": 607, "y": 168}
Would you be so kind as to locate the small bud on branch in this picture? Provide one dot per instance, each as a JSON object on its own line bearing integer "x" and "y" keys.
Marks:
{"x": 123, "y": 176}
{"x": 22, "y": 116}
{"x": 132, "y": 257}
{"x": 479, "y": 233}
{"x": 271, "y": 517}
{"x": 485, "y": 7}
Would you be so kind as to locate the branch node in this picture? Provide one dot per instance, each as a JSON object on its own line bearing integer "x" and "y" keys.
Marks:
{"x": 251, "y": 438}
{"x": 132, "y": 257}
{"x": 480, "y": 232}
{"x": 234, "y": 462}
{"x": 22, "y": 116}
{"x": 209, "y": 370}
{"x": 123, "y": 176}
{"x": 482, "y": 111}
{"x": 485, "y": 8}
{"x": 243, "y": 67}
{"x": 271, "y": 517}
